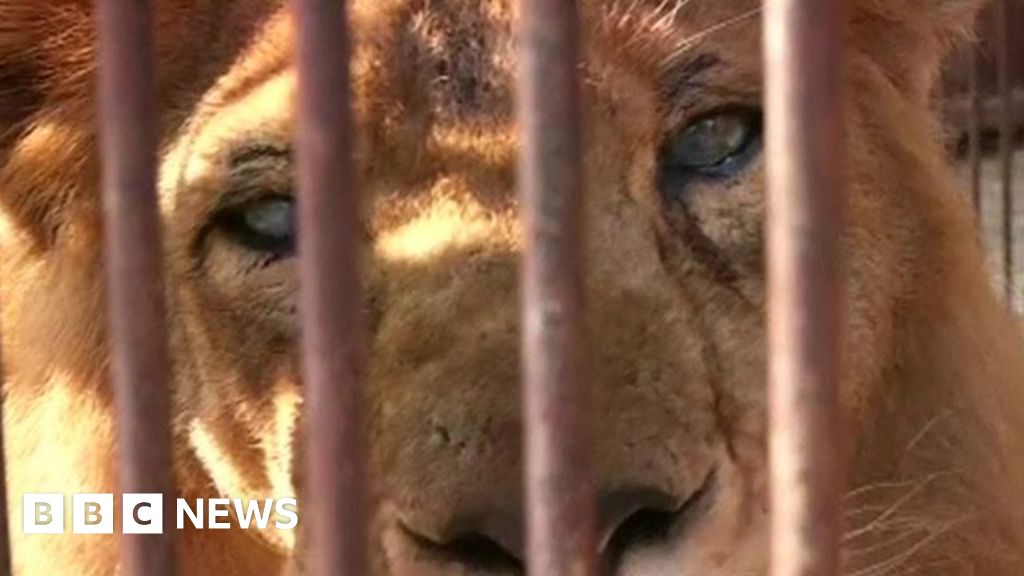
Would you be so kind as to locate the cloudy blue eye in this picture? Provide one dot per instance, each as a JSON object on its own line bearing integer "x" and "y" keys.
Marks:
{"x": 262, "y": 225}
{"x": 715, "y": 146}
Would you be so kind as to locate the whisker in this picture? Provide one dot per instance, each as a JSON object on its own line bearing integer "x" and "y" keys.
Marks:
{"x": 895, "y": 539}
{"x": 892, "y": 509}
{"x": 862, "y": 490}
{"x": 656, "y": 14}
{"x": 693, "y": 39}
{"x": 923, "y": 433}
{"x": 665, "y": 23}
{"x": 887, "y": 566}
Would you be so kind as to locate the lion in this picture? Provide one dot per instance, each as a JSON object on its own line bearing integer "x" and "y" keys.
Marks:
{"x": 675, "y": 289}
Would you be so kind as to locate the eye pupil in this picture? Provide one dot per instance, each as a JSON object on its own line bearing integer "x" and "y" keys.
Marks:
{"x": 710, "y": 141}
{"x": 713, "y": 146}
{"x": 263, "y": 225}
{"x": 273, "y": 218}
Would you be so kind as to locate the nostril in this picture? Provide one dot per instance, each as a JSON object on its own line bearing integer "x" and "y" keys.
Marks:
{"x": 632, "y": 515}
{"x": 492, "y": 542}
{"x": 642, "y": 527}
{"x": 490, "y": 547}
{"x": 646, "y": 517}
{"x": 481, "y": 552}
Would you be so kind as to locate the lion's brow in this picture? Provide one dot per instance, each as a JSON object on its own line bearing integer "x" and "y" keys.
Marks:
{"x": 259, "y": 150}
{"x": 684, "y": 74}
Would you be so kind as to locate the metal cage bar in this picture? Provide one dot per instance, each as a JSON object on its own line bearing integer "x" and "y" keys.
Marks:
{"x": 1006, "y": 130}
{"x": 5, "y": 541}
{"x": 804, "y": 116}
{"x": 974, "y": 127}
{"x": 330, "y": 296}
{"x": 135, "y": 294}
{"x": 559, "y": 486}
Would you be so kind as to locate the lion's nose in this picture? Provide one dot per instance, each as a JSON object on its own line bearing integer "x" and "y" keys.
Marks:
{"x": 625, "y": 516}
{"x": 628, "y": 514}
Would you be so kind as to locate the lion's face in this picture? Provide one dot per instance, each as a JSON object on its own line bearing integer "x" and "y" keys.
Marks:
{"x": 675, "y": 275}
{"x": 674, "y": 266}
{"x": 674, "y": 282}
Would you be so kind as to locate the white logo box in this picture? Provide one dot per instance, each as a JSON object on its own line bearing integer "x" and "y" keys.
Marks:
{"x": 45, "y": 513}
{"x": 92, "y": 513}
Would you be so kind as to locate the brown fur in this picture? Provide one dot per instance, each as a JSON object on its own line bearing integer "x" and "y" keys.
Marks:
{"x": 932, "y": 361}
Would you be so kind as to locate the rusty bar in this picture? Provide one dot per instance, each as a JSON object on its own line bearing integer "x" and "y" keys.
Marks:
{"x": 131, "y": 224}
{"x": 989, "y": 110}
{"x": 1006, "y": 129}
{"x": 559, "y": 484}
{"x": 5, "y": 542}
{"x": 335, "y": 489}
{"x": 804, "y": 139}
{"x": 974, "y": 126}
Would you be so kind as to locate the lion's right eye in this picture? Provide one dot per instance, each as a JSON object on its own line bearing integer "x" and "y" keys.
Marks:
{"x": 715, "y": 147}
{"x": 263, "y": 225}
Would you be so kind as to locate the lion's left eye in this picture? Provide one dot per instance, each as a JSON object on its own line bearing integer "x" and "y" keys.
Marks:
{"x": 262, "y": 225}
{"x": 714, "y": 146}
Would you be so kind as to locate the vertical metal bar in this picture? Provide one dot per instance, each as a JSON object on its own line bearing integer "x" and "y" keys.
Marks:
{"x": 974, "y": 126}
{"x": 330, "y": 295}
{"x": 135, "y": 294}
{"x": 559, "y": 484}
{"x": 803, "y": 49}
{"x": 5, "y": 542}
{"x": 1006, "y": 129}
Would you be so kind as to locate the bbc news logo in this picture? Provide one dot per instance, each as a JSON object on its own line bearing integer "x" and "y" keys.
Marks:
{"x": 144, "y": 513}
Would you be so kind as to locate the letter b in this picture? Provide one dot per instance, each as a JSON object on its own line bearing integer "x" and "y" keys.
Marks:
{"x": 43, "y": 513}
{"x": 92, "y": 513}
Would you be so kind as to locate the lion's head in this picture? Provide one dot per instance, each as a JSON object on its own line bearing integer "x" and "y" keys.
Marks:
{"x": 675, "y": 286}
